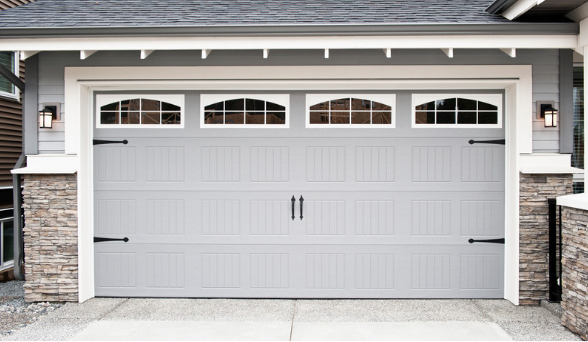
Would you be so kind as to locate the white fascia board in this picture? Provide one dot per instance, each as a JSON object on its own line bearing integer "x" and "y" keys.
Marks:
{"x": 520, "y": 8}
{"x": 291, "y": 43}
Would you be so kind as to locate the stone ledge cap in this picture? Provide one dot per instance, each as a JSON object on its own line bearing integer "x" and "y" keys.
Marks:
{"x": 576, "y": 201}
{"x": 49, "y": 164}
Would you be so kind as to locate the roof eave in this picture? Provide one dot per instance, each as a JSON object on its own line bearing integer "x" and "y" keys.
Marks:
{"x": 509, "y": 28}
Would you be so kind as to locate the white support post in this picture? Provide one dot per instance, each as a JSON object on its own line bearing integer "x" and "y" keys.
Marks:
{"x": 511, "y": 52}
{"x": 146, "y": 53}
{"x": 205, "y": 53}
{"x": 388, "y": 52}
{"x": 448, "y": 52}
{"x": 265, "y": 53}
{"x": 86, "y": 53}
{"x": 585, "y": 116}
{"x": 326, "y": 53}
{"x": 26, "y": 54}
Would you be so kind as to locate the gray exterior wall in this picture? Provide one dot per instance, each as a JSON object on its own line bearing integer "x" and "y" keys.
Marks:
{"x": 545, "y": 74}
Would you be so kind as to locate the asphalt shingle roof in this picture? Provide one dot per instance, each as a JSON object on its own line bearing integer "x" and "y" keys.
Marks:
{"x": 162, "y": 13}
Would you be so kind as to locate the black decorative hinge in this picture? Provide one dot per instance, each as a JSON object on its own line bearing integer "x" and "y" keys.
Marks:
{"x": 494, "y": 142}
{"x": 104, "y": 142}
{"x": 101, "y": 239}
{"x": 501, "y": 241}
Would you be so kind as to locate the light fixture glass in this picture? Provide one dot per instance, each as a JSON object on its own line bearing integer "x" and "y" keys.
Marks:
{"x": 550, "y": 116}
{"x": 46, "y": 118}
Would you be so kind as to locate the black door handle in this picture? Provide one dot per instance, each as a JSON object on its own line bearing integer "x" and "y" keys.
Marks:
{"x": 501, "y": 241}
{"x": 101, "y": 239}
{"x": 293, "y": 204}
{"x": 495, "y": 142}
{"x": 104, "y": 142}
{"x": 301, "y": 206}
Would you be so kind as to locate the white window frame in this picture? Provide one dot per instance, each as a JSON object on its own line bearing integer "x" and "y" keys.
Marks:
{"x": 16, "y": 93}
{"x": 493, "y": 99}
{"x": 280, "y": 99}
{"x": 4, "y": 264}
{"x": 175, "y": 99}
{"x": 388, "y": 99}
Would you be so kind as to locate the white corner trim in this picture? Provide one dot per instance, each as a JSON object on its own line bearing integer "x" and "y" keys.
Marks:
{"x": 49, "y": 164}
{"x": 547, "y": 163}
{"x": 576, "y": 201}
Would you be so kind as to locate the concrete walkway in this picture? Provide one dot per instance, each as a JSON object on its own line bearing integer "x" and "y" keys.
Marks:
{"x": 296, "y": 320}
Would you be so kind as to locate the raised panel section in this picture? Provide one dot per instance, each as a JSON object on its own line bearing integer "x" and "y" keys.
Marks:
{"x": 116, "y": 270}
{"x": 374, "y": 271}
{"x": 221, "y": 270}
{"x": 270, "y": 217}
{"x": 481, "y": 164}
{"x": 165, "y": 164}
{"x": 374, "y": 217}
{"x": 165, "y": 217}
{"x": 221, "y": 217}
{"x": 116, "y": 217}
{"x": 325, "y": 164}
{"x": 270, "y": 164}
{"x": 374, "y": 164}
{"x": 324, "y": 217}
{"x": 221, "y": 164}
{"x": 431, "y": 164}
{"x": 325, "y": 271}
{"x": 480, "y": 272}
{"x": 115, "y": 164}
{"x": 481, "y": 218}
{"x": 269, "y": 271}
{"x": 165, "y": 270}
{"x": 431, "y": 217}
{"x": 430, "y": 271}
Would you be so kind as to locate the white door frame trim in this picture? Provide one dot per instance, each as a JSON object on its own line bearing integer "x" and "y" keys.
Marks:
{"x": 82, "y": 82}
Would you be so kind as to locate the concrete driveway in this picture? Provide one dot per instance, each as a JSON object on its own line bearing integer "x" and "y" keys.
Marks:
{"x": 260, "y": 319}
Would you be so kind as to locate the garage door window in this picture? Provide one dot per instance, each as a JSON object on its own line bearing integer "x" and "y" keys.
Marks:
{"x": 139, "y": 111}
{"x": 457, "y": 110}
{"x": 328, "y": 110}
{"x": 245, "y": 111}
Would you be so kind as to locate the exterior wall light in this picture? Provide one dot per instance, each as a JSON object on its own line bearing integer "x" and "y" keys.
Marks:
{"x": 46, "y": 118}
{"x": 550, "y": 116}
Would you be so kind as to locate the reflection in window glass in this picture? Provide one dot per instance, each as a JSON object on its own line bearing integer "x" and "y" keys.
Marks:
{"x": 451, "y": 111}
{"x": 140, "y": 112}
{"x": 445, "y": 117}
{"x": 244, "y": 111}
{"x": 354, "y": 111}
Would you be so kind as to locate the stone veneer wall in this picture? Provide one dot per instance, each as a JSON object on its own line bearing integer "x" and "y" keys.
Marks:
{"x": 574, "y": 302}
{"x": 51, "y": 237}
{"x": 535, "y": 189}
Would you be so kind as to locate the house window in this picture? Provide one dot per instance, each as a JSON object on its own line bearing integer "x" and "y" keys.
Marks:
{"x": 140, "y": 111}
{"x": 331, "y": 110}
{"x": 10, "y": 61}
{"x": 245, "y": 110}
{"x": 457, "y": 110}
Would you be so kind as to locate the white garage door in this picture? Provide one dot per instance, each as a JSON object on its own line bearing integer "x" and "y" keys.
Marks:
{"x": 299, "y": 196}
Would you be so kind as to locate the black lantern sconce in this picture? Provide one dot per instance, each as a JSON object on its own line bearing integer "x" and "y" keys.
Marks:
{"x": 46, "y": 118}
{"x": 549, "y": 115}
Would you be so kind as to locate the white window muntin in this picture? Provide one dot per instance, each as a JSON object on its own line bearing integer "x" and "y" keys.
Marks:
{"x": 493, "y": 99}
{"x": 209, "y": 99}
{"x": 388, "y": 99}
{"x": 175, "y": 99}
{"x": 15, "y": 93}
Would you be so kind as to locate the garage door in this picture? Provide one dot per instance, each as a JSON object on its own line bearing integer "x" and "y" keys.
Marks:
{"x": 299, "y": 196}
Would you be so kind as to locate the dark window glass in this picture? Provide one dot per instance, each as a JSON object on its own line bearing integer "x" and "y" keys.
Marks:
{"x": 132, "y": 105}
{"x": 130, "y": 118}
{"x": 466, "y": 117}
{"x": 381, "y": 106}
{"x": 8, "y": 61}
{"x": 8, "y": 241}
{"x": 278, "y": 118}
{"x": 426, "y": 106}
{"x": 109, "y": 118}
{"x": 382, "y": 118}
{"x": 148, "y": 118}
{"x": 112, "y": 107}
{"x": 486, "y": 106}
{"x": 360, "y": 118}
{"x": 216, "y": 106}
{"x": 359, "y": 104}
{"x": 339, "y": 117}
{"x": 274, "y": 106}
{"x": 255, "y": 118}
{"x": 488, "y": 118}
{"x": 257, "y": 105}
{"x": 318, "y": 106}
{"x": 150, "y": 105}
{"x": 234, "y": 118}
{"x": 213, "y": 118}
{"x": 237, "y": 104}
{"x": 171, "y": 118}
{"x": 170, "y": 107}
{"x": 446, "y": 104}
{"x": 445, "y": 117}
{"x": 425, "y": 118}
{"x": 319, "y": 117}
{"x": 465, "y": 104}
{"x": 341, "y": 104}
